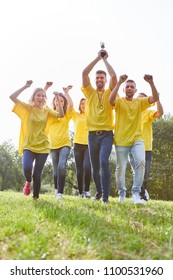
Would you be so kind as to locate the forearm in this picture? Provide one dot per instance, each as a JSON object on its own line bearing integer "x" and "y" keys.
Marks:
{"x": 14, "y": 95}
{"x": 60, "y": 110}
{"x": 111, "y": 73}
{"x": 159, "y": 106}
{"x": 155, "y": 96}
{"x": 70, "y": 101}
{"x": 114, "y": 94}
{"x": 87, "y": 70}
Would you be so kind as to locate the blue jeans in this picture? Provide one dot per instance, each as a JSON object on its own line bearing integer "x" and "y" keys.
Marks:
{"x": 148, "y": 155}
{"x": 100, "y": 147}
{"x": 137, "y": 151}
{"x": 83, "y": 167}
{"x": 59, "y": 162}
{"x": 33, "y": 172}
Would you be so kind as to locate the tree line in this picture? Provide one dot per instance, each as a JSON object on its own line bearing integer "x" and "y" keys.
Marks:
{"x": 160, "y": 186}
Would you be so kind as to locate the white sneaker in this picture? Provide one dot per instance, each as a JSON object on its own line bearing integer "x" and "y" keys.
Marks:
{"x": 122, "y": 199}
{"x": 147, "y": 195}
{"x": 87, "y": 195}
{"x": 137, "y": 199}
{"x": 59, "y": 196}
{"x": 81, "y": 195}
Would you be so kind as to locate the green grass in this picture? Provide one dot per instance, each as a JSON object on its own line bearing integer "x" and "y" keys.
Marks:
{"x": 81, "y": 229}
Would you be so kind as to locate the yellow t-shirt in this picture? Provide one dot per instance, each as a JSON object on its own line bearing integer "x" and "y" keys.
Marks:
{"x": 148, "y": 116}
{"x": 80, "y": 128}
{"x": 33, "y": 124}
{"x": 58, "y": 132}
{"x": 128, "y": 120}
{"x": 97, "y": 118}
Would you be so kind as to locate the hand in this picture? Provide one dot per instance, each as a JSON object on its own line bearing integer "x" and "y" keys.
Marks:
{"x": 66, "y": 89}
{"x": 123, "y": 78}
{"x": 148, "y": 78}
{"x": 49, "y": 84}
{"x": 101, "y": 52}
{"x": 56, "y": 93}
{"x": 29, "y": 83}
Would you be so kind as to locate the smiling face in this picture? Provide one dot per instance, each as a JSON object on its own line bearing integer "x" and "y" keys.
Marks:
{"x": 82, "y": 106}
{"x": 101, "y": 80}
{"x": 38, "y": 98}
{"x": 130, "y": 89}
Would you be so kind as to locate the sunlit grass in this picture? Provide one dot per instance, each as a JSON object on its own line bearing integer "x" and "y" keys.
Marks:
{"x": 74, "y": 229}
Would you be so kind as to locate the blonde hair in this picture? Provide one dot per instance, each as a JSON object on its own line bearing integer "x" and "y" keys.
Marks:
{"x": 31, "y": 100}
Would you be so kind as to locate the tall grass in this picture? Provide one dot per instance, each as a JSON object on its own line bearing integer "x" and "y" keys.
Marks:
{"x": 82, "y": 229}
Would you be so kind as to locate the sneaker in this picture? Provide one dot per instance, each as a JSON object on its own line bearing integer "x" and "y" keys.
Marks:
{"x": 105, "y": 200}
{"x": 81, "y": 195}
{"x": 55, "y": 194}
{"x": 122, "y": 199}
{"x": 87, "y": 195}
{"x": 27, "y": 188}
{"x": 97, "y": 196}
{"x": 59, "y": 196}
{"x": 137, "y": 199}
{"x": 147, "y": 195}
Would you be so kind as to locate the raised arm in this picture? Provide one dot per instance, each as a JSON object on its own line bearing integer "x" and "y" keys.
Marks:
{"x": 155, "y": 96}
{"x": 14, "y": 95}
{"x": 160, "y": 111}
{"x": 69, "y": 99}
{"x": 112, "y": 74}
{"x": 87, "y": 70}
{"x": 60, "y": 108}
{"x": 114, "y": 93}
{"x": 48, "y": 85}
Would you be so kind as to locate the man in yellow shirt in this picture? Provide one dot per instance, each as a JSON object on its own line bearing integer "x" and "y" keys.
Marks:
{"x": 100, "y": 120}
{"x": 148, "y": 116}
{"x": 128, "y": 138}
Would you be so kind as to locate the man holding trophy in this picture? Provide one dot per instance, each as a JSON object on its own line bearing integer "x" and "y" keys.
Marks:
{"x": 100, "y": 122}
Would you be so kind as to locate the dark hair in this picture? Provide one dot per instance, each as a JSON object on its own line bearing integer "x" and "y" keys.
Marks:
{"x": 130, "y": 81}
{"x": 65, "y": 102}
{"x": 143, "y": 94}
{"x": 101, "y": 72}
{"x": 80, "y": 104}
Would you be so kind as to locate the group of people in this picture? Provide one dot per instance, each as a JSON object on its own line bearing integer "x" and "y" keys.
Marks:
{"x": 104, "y": 119}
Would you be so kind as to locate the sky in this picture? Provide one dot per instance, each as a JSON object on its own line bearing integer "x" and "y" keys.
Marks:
{"x": 54, "y": 40}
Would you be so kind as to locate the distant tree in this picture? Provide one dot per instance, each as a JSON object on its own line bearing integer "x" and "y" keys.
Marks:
{"x": 10, "y": 167}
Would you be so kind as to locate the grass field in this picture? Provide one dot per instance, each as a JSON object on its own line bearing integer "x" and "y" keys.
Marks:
{"x": 82, "y": 229}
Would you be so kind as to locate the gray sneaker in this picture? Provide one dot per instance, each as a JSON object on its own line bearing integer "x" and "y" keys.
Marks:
{"x": 137, "y": 199}
{"x": 87, "y": 195}
{"x": 122, "y": 199}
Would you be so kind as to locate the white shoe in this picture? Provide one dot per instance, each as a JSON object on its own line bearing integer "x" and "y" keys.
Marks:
{"x": 59, "y": 196}
{"x": 147, "y": 195}
{"x": 122, "y": 199}
{"x": 137, "y": 199}
{"x": 81, "y": 195}
{"x": 87, "y": 195}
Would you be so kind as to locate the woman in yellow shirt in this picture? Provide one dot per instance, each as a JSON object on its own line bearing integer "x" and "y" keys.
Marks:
{"x": 60, "y": 143}
{"x": 81, "y": 153}
{"x": 33, "y": 141}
